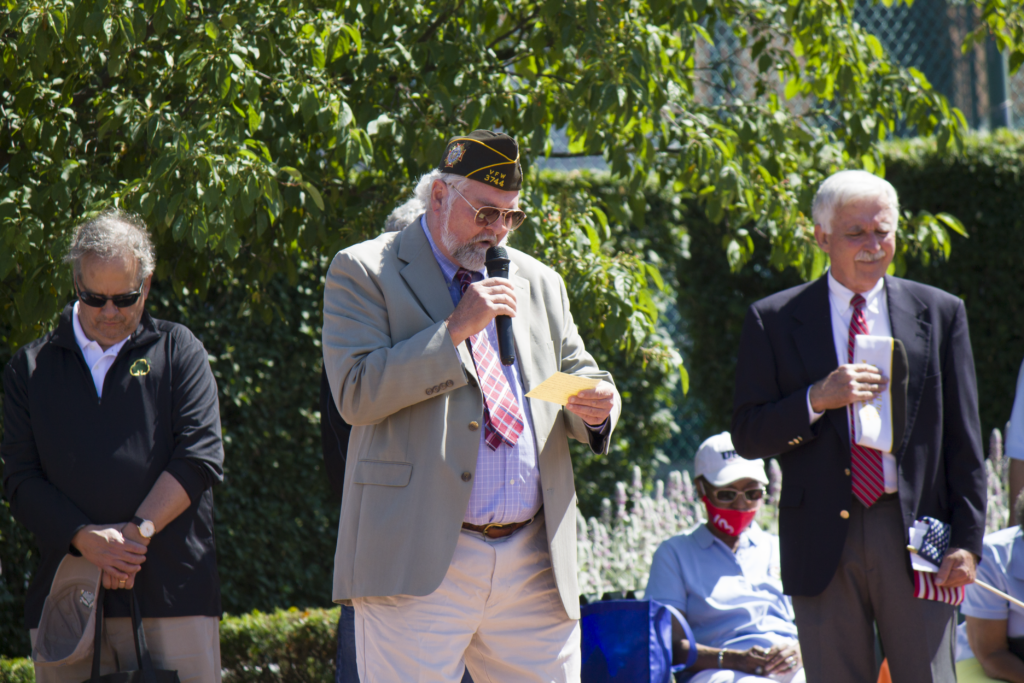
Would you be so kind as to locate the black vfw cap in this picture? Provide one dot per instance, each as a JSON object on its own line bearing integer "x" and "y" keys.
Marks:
{"x": 486, "y": 156}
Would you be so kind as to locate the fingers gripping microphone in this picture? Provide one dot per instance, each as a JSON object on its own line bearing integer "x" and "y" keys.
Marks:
{"x": 497, "y": 266}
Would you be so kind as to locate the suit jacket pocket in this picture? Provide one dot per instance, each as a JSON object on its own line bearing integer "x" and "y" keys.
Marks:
{"x": 383, "y": 472}
{"x": 792, "y": 497}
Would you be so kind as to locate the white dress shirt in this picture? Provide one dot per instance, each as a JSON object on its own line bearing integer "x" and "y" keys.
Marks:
{"x": 98, "y": 360}
{"x": 876, "y": 315}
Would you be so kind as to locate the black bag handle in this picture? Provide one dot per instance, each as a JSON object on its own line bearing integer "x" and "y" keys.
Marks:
{"x": 141, "y": 650}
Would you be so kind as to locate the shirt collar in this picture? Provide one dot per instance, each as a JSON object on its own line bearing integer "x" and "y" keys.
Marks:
{"x": 86, "y": 343}
{"x": 448, "y": 268}
{"x": 841, "y": 295}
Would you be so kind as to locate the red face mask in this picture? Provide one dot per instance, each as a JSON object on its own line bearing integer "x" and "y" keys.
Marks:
{"x": 727, "y": 520}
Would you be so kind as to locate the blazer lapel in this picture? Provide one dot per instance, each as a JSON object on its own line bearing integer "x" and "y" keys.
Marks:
{"x": 423, "y": 275}
{"x": 906, "y": 318}
{"x": 426, "y": 283}
{"x": 815, "y": 342}
{"x": 521, "y": 328}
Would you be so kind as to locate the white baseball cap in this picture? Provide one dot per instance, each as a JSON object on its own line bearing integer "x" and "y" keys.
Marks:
{"x": 719, "y": 463}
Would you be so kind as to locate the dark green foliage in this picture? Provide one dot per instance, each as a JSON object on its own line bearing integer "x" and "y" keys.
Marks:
{"x": 985, "y": 189}
{"x": 286, "y": 646}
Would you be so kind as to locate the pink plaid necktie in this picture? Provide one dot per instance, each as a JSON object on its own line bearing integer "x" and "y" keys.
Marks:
{"x": 866, "y": 468}
{"x": 502, "y": 419}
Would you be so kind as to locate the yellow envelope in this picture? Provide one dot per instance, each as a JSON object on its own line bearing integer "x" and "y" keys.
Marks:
{"x": 560, "y": 387}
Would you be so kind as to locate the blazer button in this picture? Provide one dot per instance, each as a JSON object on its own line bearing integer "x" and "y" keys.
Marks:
{"x": 844, "y": 514}
{"x": 449, "y": 383}
{"x": 847, "y": 471}
{"x": 474, "y": 425}
{"x": 466, "y": 476}
{"x": 429, "y": 392}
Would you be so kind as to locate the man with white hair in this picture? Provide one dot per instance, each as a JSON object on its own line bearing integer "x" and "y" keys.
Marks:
{"x": 111, "y": 445}
{"x": 457, "y": 539}
{"x": 845, "y": 509}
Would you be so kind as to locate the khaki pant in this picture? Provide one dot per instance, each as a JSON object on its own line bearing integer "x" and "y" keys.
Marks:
{"x": 497, "y": 613}
{"x": 188, "y": 645}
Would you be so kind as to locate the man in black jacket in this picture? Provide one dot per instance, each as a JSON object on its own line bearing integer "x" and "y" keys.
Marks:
{"x": 845, "y": 510}
{"x": 111, "y": 445}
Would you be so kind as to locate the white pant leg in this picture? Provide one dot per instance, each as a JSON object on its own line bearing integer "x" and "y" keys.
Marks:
{"x": 497, "y": 611}
{"x": 730, "y": 676}
{"x": 422, "y": 639}
{"x": 525, "y": 635}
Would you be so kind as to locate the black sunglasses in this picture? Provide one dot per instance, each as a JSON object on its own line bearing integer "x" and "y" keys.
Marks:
{"x": 99, "y": 301}
{"x": 729, "y": 495}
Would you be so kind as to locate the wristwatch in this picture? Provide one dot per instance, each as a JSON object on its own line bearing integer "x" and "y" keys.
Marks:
{"x": 146, "y": 527}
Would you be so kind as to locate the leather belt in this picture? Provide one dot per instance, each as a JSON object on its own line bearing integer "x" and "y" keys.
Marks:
{"x": 497, "y": 530}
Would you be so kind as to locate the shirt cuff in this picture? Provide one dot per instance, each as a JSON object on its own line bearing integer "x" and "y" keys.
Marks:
{"x": 598, "y": 430}
{"x": 812, "y": 416}
{"x": 190, "y": 476}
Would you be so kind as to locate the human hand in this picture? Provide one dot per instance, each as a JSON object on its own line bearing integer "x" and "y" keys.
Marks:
{"x": 958, "y": 568}
{"x": 107, "y": 548}
{"x": 845, "y": 385}
{"x": 593, "y": 405}
{"x": 784, "y": 657}
{"x": 751, "y": 661}
{"x": 480, "y": 303}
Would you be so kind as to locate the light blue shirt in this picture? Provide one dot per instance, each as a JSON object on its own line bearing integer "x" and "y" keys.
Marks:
{"x": 1001, "y": 566}
{"x": 506, "y": 487}
{"x": 1015, "y": 432}
{"x": 731, "y": 600}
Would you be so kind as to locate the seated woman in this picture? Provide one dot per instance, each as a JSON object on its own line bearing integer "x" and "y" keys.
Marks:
{"x": 995, "y": 628}
{"x": 723, "y": 577}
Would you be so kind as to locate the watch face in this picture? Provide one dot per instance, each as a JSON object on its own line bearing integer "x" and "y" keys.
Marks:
{"x": 147, "y": 529}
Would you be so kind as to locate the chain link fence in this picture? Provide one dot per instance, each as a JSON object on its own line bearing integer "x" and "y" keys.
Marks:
{"x": 929, "y": 36}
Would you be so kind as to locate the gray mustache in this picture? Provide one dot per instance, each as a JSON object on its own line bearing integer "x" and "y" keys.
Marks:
{"x": 868, "y": 257}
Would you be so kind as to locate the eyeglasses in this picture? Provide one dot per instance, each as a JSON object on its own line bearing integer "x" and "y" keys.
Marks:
{"x": 99, "y": 301}
{"x": 486, "y": 215}
{"x": 729, "y": 495}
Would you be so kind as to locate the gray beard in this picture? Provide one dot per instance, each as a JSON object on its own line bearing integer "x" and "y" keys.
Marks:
{"x": 470, "y": 255}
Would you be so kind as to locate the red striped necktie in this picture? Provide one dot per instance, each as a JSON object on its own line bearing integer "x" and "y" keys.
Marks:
{"x": 866, "y": 463}
{"x": 503, "y": 420}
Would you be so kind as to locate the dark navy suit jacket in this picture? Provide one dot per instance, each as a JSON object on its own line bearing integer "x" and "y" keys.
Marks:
{"x": 787, "y": 345}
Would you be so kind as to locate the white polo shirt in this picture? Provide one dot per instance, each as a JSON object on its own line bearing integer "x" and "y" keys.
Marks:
{"x": 98, "y": 360}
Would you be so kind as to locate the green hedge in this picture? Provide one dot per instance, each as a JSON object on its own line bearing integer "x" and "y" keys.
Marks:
{"x": 286, "y": 646}
{"x": 984, "y": 188}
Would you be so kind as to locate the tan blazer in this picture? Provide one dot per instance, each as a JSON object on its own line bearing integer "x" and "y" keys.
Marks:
{"x": 415, "y": 407}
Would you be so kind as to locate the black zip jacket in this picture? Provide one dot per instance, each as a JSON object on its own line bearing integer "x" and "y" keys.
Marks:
{"x": 72, "y": 459}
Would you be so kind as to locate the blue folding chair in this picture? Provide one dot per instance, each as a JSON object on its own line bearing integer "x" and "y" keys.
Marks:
{"x": 630, "y": 641}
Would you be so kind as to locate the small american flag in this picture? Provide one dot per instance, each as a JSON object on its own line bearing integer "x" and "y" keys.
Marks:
{"x": 925, "y": 588}
{"x": 933, "y": 548}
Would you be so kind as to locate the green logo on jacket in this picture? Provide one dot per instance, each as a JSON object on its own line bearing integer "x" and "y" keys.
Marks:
{"x": 139, "y": 368}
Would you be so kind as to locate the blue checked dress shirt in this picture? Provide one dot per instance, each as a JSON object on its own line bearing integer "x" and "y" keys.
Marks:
{"x": 506, "y": 487}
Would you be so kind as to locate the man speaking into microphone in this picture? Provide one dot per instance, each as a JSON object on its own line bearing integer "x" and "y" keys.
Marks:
{"x": 457, "y": 539}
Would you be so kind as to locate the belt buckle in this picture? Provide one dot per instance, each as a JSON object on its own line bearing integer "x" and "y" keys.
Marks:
{"x": 493, "y": 525}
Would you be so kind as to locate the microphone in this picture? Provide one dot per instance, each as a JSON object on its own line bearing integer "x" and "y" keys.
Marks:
{"x": 497, "y": 266}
